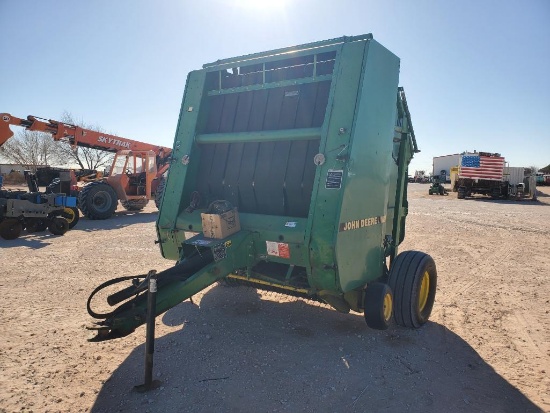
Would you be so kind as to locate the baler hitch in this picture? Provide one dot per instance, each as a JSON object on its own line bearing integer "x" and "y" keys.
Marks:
{"x": 134, "y": 298}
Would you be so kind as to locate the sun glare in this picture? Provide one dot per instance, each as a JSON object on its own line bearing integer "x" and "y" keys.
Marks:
{"x": 261, "y": 5}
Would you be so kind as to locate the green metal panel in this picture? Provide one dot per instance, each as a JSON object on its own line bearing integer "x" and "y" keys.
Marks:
{"x": 325, "y": 203}
{"x": 261, "y": 136}
{"x": 295, "y": 50}
{"x": 406, "y": 140}
{"x": 363, "y": 212}
{"x": 180, "y": 177}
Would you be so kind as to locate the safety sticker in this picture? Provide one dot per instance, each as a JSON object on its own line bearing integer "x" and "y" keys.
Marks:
{"x": 291, "y": 224}
{"x": 278, "y": 249}
{"x": 334, "y": 179}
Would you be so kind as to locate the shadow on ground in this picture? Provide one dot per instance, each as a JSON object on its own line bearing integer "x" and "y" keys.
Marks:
{"x": 240, "y": 353}
{"x": 37, "y": 240}
{"x": 119, "y": 220}
{"x": 33, "y": 241}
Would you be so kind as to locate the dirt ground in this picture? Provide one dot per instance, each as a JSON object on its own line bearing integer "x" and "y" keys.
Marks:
{"x": 486, "y": 348}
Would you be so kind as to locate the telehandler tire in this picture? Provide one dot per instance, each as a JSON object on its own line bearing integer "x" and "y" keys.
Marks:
{"x": 413, "y": 280}
{"x": 134, "y": 204}
{"x": 97, "y": 200}
{"x": 159, "y": 193}
{"x": 10, "y": 228}
{"x": 58, "y": 226}
{"x": 378, "y": 305}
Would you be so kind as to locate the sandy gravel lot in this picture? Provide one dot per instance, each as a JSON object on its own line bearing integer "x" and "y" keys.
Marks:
{"x": 486, "y": 348}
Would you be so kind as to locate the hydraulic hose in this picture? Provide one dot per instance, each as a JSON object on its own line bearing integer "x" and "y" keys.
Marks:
{"x": 101, "y": 287}
{"x": 180, "y": 272}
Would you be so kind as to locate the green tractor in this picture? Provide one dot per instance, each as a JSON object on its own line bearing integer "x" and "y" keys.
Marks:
{"x": 298, "y": 158}
{"x": 437, "y": 187}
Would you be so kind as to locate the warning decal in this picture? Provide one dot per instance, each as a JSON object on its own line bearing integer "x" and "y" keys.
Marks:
{"x": 334, "y": 179}
{"x": 278, "y": 249}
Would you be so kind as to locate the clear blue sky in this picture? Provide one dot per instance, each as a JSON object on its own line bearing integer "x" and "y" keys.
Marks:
{"x": 476, "y": 73}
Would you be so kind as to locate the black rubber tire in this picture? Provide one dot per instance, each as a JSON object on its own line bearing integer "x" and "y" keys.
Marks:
{"x": 406, "y": 280}
{"x": 10, "y": 228}
{"x": 159, "y": 193}
{"x": 58, "y": 226}
{"x": 36, "y": 225}
{"x": 461, "y": 193}
{"x": 376, "y": 299}
{"x": 97, "y": 200}
{"x": 134, "y": 204}
{"x": 72, "y": 215}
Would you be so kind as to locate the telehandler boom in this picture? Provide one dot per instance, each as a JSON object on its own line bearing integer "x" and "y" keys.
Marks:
{"x": 136, "y": 174}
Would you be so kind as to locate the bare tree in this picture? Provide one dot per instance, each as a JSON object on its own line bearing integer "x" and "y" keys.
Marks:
{"x": 534, "y": 169}
{"x": 86, "y": 158}
{"x": 30, "y": 149}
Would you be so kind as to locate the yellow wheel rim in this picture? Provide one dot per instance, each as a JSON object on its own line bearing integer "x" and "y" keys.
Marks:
{"x": 69, "y": 214}
{"x": 388, "y": 306}
{"x": 424, "y": 291}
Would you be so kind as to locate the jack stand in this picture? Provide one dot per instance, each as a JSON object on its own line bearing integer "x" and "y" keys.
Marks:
{"x": 149, "y": 383}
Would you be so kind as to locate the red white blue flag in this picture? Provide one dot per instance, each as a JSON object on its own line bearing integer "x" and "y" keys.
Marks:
{"x": 476, "y": 166}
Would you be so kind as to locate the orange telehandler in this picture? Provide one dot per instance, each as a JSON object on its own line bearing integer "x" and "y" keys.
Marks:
{"x": 136, "y": 174}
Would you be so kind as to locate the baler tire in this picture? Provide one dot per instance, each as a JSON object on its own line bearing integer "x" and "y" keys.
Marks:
{"x": 134, "y": 204}
{"x": 413, "y": 280}
{"x": 378, "y": 305}
{"x": 10, "y": 228}
{"x": 97, "y": 191}
{"x": 72, "y": 215}
{"x": 159, "y": 193}
{"x": 58, "y": 226}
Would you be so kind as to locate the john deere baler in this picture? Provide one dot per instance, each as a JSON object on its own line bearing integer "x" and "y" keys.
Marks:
{"x": 306, "y": 150}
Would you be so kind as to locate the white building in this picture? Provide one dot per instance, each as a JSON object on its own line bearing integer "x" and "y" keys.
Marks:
{"x": 445, "y": 163}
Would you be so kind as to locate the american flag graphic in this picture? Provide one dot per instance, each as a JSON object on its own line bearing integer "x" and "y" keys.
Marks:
{"x": 481, "y": 167}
